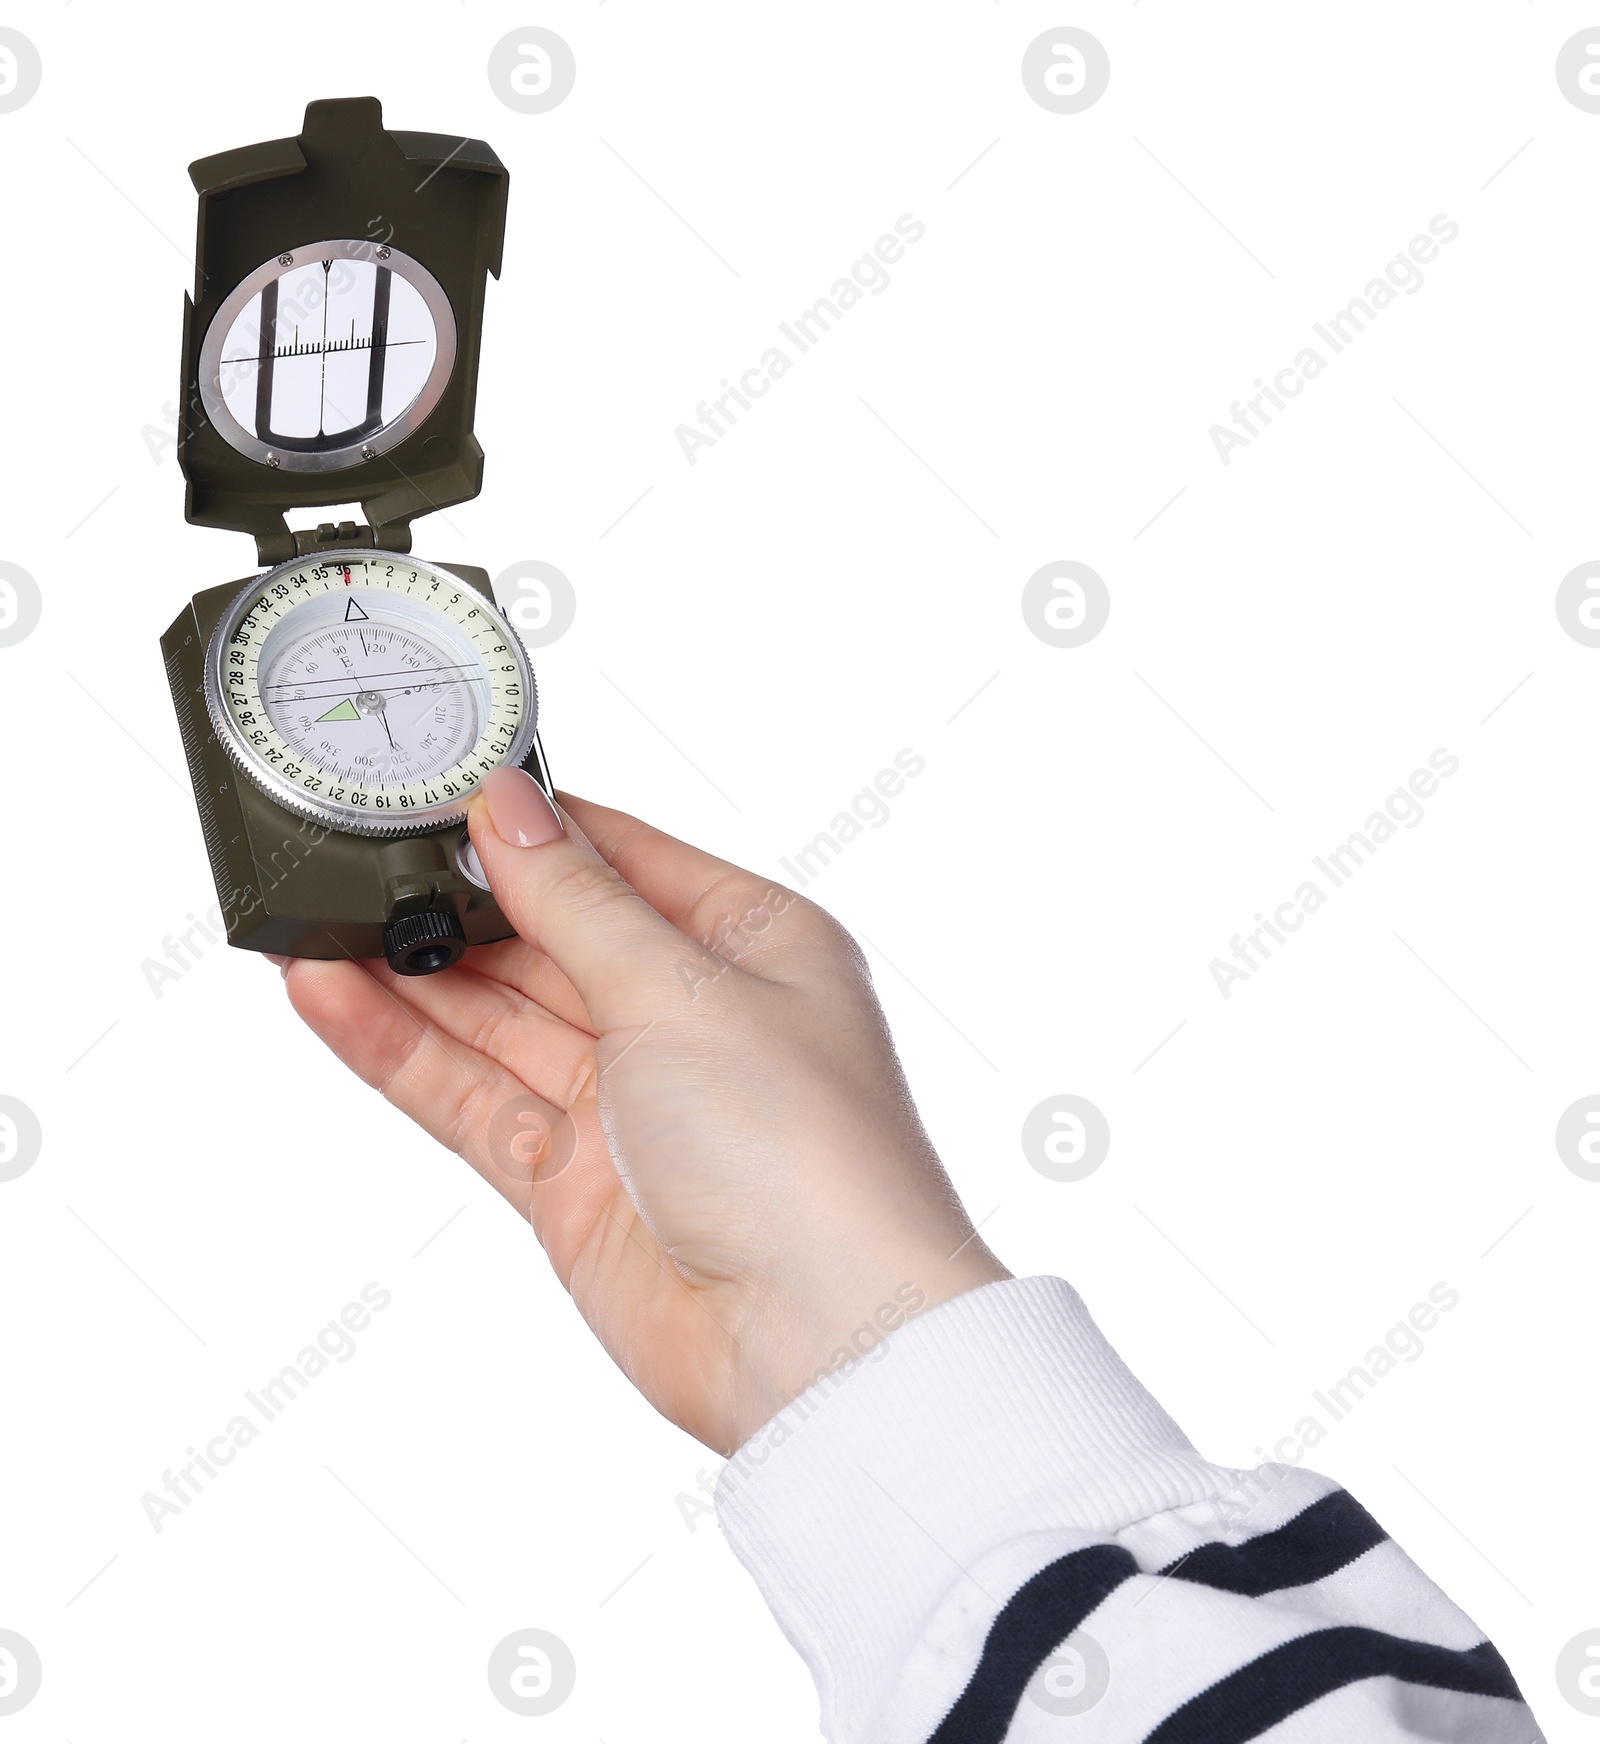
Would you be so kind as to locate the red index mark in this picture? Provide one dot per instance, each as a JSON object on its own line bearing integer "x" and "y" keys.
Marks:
{"x": 344, "y": 570}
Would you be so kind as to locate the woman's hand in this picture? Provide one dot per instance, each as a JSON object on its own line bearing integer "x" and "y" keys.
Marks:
{"x": 679, "y": 1073}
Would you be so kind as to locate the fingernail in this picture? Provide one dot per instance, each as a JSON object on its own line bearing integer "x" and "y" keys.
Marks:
{"x": 519, "y": 810}
{"x": 282, "y": 963}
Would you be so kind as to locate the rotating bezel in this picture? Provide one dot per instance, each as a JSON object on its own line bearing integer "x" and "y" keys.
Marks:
{"x": 337, "y": 815}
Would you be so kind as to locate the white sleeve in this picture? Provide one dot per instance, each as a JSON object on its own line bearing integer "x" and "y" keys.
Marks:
{"x": 987, "y": 1524}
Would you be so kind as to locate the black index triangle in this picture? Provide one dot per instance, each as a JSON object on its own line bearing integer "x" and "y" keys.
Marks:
{"x": 353, "y": 613}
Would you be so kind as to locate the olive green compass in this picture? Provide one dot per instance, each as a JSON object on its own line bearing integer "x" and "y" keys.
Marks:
{"x": 338, "y": 708}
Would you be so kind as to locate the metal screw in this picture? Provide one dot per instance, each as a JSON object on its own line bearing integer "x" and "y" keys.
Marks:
{"x": 368, "y": 452}
{"x": 383, "y": 253}
{"x": 285, "y": 260}
{"x": 272, "y": 460}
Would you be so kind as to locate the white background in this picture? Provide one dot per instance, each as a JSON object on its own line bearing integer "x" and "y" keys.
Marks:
{"x": 839, "y": 578}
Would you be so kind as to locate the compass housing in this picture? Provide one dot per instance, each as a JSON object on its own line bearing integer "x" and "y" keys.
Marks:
{"x": 422, "y": 212}
{"x": 290, "y": 884}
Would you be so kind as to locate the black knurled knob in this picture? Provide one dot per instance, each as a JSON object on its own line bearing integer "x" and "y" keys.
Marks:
{"x": 423, "y": 944}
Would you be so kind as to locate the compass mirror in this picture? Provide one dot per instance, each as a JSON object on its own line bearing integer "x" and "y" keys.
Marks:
{"x": 327, "y": 355}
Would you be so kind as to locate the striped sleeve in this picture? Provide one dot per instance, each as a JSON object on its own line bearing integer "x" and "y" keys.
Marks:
{"x": 987, "y": 1528}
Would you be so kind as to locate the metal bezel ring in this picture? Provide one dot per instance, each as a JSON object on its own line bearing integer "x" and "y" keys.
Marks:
{"x": 294, "y": 798}
{"x": 246, "y": 442}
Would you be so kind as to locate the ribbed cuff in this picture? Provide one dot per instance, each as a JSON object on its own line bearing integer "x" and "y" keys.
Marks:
{"x": 1000, "y": 1413}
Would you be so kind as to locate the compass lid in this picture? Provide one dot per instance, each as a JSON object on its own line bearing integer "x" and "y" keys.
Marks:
{"x": 330, "y": 350}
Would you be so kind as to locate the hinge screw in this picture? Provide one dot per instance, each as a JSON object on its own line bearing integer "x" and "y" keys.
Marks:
{"x": 368, "y": 452}
{"x": 272, "y": 460}
{"x": 383, "y": 253}
{"x": 285, "y": 260}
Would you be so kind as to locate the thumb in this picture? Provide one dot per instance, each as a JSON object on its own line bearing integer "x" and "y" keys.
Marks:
{"x": 615, "y": 949}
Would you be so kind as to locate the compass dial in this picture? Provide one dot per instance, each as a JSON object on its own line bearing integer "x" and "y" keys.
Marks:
{"x": 369, "y": 691}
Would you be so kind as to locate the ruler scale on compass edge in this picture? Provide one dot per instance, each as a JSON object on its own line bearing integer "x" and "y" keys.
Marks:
{"x": 339, "y": 708}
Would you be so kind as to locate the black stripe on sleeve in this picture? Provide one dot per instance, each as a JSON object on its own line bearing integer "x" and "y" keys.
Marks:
{"x": 1030, "y": 1626}
{"x": 1317, "y": 1542}
{"x": 1269, "y": 1689}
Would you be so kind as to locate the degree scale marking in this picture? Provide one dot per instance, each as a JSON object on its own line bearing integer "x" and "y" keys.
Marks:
{"x": 500, "y": 671}
{"x": 279, "y": 610}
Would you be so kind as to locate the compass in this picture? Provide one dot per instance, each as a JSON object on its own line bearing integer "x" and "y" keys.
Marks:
{"x": 339, "y": 707}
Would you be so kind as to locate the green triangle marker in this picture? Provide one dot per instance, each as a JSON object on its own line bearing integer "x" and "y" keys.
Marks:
{"x": 346, "y": 711}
